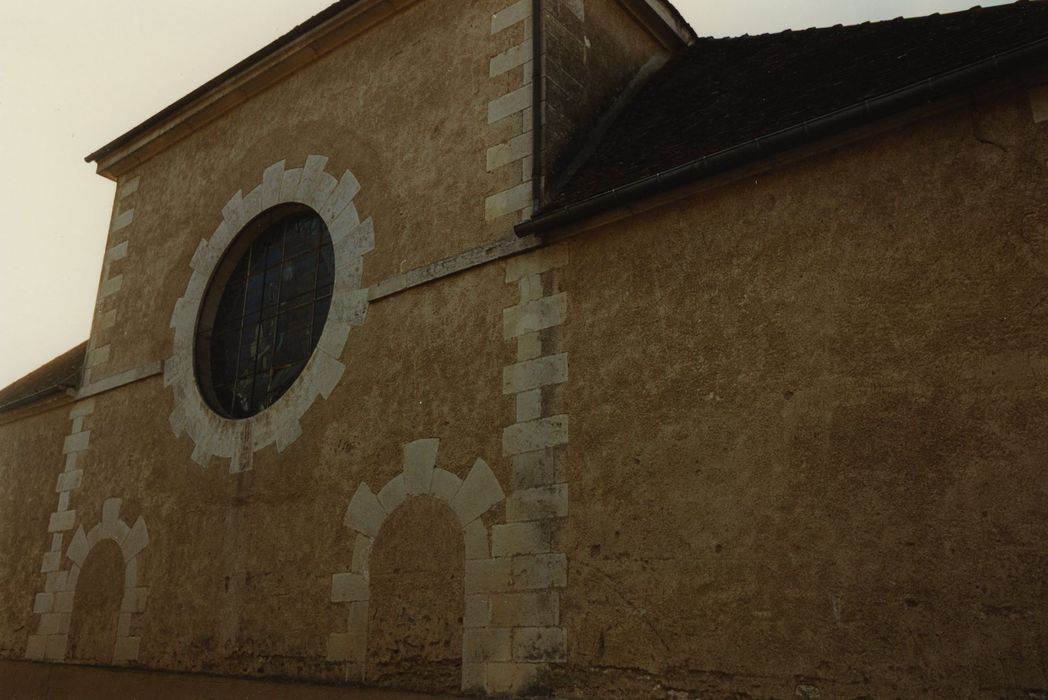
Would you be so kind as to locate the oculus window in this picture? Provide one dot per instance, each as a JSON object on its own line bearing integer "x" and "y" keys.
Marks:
{"x": 264, "y": 311}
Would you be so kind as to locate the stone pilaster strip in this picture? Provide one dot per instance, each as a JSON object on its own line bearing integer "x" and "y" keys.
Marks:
{"x": 512, "y": 107}
{"x": 523, "y": 587}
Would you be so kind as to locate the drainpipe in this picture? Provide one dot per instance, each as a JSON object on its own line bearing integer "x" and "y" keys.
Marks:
{"x": 536, "y": 104}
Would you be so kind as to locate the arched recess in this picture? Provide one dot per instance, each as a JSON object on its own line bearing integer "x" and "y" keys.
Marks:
{"x": 468, "y": 499}
{"x": 131, "y": 540}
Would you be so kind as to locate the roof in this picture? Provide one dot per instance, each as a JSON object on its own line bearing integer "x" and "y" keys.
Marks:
{"x": 304, "y": 43}
{"x": 724, "y": 92}
{"x": 59, "y": 374}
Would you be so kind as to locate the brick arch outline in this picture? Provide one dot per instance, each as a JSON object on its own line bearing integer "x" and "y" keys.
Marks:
{"x": 332, "y": 198}
{"x": 131, "y": 540}
{"x": 468, "y": 499}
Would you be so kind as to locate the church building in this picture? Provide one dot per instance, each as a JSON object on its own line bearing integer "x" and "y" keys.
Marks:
{"x": 545, "y": 348}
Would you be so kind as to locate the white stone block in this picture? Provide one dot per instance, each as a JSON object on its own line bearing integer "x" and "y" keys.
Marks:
{"x": 69, "y": 481}
{"x": 308, "y": 181}
{"x": 222, "y": 236}
{"x": 478, "y": 611}
{"x": 533, "y": 374}
{"x": 64, "y": 603}
{"x": 508, "y": 201}
{"x": 362, "y": 554}
{"x": 77, "y": 442}
{"x": 350, "y": 307}
{"x": 272, "y": 179}
{"x": 510, "y": 59}
{"x": 78, "y": 547}
{"x": 98, "y": 356}
{"x": 122, "y": 220}
{"x": 533, "y": 571}
{"x": 365, "y": 513}
{"x": 479, "y": 492}
{"x": 204, "y": 258}
{"x": 482, "y": 644}
{"x": 48, "y": 624}
{"x": 445, "y": 485}
{"x": 539, "y": 503}
{"x": 510, "y": 104}
{"x": 530, "y": 609}
{"x": 111, "y": 510}
{"x": 536, "y": 435}
{"x": 56, "y": 647}
{"x": 529, "y": 405}
{"x": 36, "y": 647}
{"x": 233, "y": 212}
{"x": 111, "y": 286}
{"x": 71, "y": 578}
{"x": 529, "y": 346}
{"x": 323, "y": 186}
{"x": 517, "y": 12}
{"x": 289, "y": 185}
{"x": 123, "y": 625}
{"x": 252, "y": 205}
{"x": 117, "y": 252}
{"x": 129, "y": 187}
{"x": 43, "y": 603}
{"x": 488, "y": 576}
{"x": 420, "y": 458}
{"x": 326, "y": 372}
{"x": 349, "y": 587}
{"x": 393, "y": 494}
{"x": 82, "y": 408}
{"x": 126, "y": 649}
{"x": 340, "y": 198}
{"x": 514, "y": 150}
{"x": 476, "y": 540}
{"x": 520, "y": 538}
{"x": 51, "y": 562}
{"x": 62, "y": 521}
{"x": 137, "y": 540}
{"x": 534, "y": 316}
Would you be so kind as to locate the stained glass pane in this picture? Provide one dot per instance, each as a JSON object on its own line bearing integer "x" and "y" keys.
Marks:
{"x": 268, "y": 315}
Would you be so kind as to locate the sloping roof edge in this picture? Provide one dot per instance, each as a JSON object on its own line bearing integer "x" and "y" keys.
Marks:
{"x": 302, "y": 45}
{"x": 53, "y": 377}
{"x": 864, "y": 112}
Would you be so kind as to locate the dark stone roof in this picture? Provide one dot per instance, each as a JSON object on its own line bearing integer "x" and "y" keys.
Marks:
{"x": 724, "y": 92}
{"x": 59, "y": 374}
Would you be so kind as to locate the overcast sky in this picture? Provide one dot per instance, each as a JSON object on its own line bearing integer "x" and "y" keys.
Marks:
{"x": 75, "y": 74}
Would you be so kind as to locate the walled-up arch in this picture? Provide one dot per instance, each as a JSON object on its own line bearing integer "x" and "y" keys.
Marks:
{"x": 131, "y": 541}
{"x": 368, "y": 511}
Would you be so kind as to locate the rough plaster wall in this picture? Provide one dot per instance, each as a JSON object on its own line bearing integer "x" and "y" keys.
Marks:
{"x": 416, "y": 607}
{"x": 592, "y": 50}
{"x": 99, "y": 591}
{"x": 30, "y": 460}
{"x": 825, "y": 471}
{"x": 239, "y": 567}
{"x": 399, "y": 106}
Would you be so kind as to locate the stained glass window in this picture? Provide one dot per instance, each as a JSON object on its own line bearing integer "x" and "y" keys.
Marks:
{"x": 264, "y": 311}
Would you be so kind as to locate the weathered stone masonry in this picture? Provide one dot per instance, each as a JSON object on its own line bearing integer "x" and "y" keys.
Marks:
{"x": 513, "y": 107}
{"x": 468, "y": 499}
{"x": 99, "y": 350}
{"x": 55, "y": 603}
{"x": 332, "y": 198}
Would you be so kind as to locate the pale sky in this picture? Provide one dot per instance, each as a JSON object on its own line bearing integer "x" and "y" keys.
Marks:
{"x": 74, "y": 75}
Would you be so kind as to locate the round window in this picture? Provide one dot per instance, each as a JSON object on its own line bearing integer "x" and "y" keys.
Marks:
{"x": 264, "y": 310}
